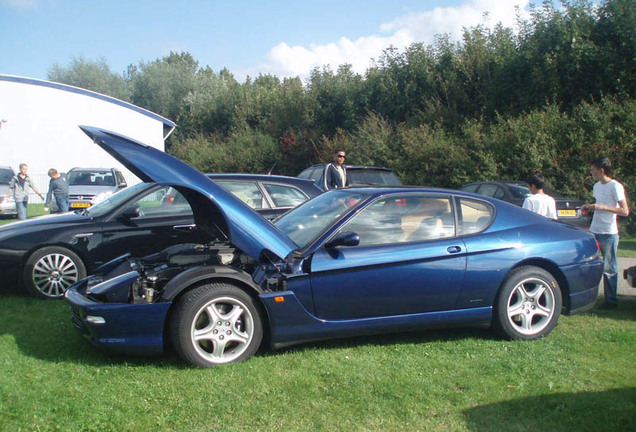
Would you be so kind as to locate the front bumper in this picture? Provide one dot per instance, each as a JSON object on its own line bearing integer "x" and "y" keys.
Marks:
{"x": 8, "y": 208}
{"x": 119, "y": 327}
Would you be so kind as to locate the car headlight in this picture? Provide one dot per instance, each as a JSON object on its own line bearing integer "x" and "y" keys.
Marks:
{"x": 101, "y": 197}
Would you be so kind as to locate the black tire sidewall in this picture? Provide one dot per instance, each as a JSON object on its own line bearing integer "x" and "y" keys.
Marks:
{"x": 502, "y": 325}
{"x": 27, "y": 271}
{"x": 186, "y": 309}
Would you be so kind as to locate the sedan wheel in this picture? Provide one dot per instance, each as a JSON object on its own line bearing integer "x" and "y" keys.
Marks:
{"x": 216, "y": 324}
{"x": 528, "y": 305}
{"x": 50, "y": 271}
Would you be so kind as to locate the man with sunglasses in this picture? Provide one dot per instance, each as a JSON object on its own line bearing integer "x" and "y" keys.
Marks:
{"x": 335, "y": 172}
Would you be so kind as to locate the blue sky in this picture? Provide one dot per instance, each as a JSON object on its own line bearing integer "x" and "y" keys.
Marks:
{"x": 285, "y": 38}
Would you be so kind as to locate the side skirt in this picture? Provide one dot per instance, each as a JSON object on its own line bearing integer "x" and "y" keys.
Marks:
{"x": 291, "y": 323}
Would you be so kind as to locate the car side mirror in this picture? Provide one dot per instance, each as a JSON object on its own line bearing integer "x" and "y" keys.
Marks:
{"x": 130, "y": 212}
{"x": 345, "y": 238}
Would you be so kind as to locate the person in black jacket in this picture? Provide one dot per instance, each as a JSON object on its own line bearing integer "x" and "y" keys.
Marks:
{"x": 335, "y": 173}
{"x": 58, "y": 192}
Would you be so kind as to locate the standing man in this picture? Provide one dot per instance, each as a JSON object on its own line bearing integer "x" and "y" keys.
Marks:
{"x": 335, "y": 172}
{"x": 540, "y": 202}
{"x": 58, "y": 190}
{"x": 610, "y": 201}
{"x": 20, "y": 185}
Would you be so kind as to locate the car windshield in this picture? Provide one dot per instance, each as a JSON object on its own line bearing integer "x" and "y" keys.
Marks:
{"x": 90, "y": 178}
{"x": 115, "y": 200}
{"x": 310, "y": 219}
{"x": 5, "y": 175}
{"x": 356, "y": 177}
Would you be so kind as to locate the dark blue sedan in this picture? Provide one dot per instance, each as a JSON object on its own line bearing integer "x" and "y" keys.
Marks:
{"x": 348, "y": 262}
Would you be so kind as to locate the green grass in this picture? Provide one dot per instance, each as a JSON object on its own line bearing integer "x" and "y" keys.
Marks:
{"x": 627, "y": 247}
{"x": 579, "y": 378}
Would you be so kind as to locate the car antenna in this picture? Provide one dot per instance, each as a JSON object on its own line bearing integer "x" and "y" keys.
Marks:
{"x": 271, "y": 169}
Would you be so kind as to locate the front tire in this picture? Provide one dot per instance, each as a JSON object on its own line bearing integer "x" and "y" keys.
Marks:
{"x": 216, "y": 324}
{"x": 50, "y": 271}
{"x": 528, "y": 304}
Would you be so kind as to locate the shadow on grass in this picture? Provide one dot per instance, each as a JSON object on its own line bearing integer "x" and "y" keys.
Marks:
{"x": 626, "y": 310}
{"x": 42, "y": 329}
{"x": 611, "y": 410}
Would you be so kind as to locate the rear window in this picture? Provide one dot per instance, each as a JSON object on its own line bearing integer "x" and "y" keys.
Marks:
{"x": 372, "y": 177}
{"x": 5, "y": 175}
{"x": 474, "y": 217}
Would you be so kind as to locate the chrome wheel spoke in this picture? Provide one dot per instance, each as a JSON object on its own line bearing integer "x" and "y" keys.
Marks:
{"x": 213, "y": 313}
{"x": 514, "y": 311}
{"x": 234, "y": 315}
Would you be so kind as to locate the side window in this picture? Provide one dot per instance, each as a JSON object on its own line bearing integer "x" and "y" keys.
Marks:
{"x": 488, "y": 190}
{"x": 165, "y": 201}
{"x": 284, "y": 196}
{"x": 471, "y": 187}
{"x": 316, "y": 174}
{"x": 474, "y": 217}
{"x": 404, "y": 219}
{"x": 246, "y": 191}
{"x": 499, "y": 193}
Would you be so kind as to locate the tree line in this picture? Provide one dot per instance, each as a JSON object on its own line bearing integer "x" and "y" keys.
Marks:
{"x": 550, "y": 94}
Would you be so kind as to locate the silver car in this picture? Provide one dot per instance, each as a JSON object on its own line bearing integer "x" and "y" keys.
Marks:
{"x": 88, "y": 186}
{"x": 7, "y": 207}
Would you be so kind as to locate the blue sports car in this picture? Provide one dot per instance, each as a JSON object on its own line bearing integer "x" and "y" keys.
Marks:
{"x": 348, "y": 262}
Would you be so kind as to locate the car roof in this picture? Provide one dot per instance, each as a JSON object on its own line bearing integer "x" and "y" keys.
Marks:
{"x": 260, "y": 177}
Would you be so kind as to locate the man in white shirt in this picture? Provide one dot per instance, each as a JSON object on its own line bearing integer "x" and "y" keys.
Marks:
{"x": 610, "y": 202}
{"x": 539, "y": 202}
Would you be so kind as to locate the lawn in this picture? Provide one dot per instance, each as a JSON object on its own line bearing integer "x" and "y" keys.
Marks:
{"x": 581, "y": 377}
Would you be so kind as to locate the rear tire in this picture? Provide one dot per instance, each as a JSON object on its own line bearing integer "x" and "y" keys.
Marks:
{"x": 214, "y": 324}
{"x": 50, "y": 271}
{"x": 528, "y": 304}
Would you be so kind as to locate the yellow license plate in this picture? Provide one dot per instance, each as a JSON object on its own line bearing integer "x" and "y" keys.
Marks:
{"x": 80, "y": 205}
{"x": 567, "y": 212}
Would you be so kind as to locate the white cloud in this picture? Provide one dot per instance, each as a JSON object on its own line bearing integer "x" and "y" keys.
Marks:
{"x": 20, "y": 4}
{"x": 284, "y": 60}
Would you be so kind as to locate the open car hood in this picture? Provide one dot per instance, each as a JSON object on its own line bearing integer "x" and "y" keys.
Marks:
{"x": 246, "y": 229}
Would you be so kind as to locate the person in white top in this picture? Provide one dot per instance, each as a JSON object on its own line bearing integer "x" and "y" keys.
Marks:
{"x": 539, "y": 202}
{"x": 610, "y": 202}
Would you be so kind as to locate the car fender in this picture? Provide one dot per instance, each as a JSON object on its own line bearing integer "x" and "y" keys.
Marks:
{"x": 196, "y": 275}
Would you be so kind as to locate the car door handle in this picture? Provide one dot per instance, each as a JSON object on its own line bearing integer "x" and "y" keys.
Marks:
{"x": 453, "y": 249}
{"x": 184, "y": 228}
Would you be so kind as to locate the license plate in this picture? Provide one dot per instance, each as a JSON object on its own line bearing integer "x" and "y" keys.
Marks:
{"x": 567, "y": 212}
{"x": 80, "y": 205}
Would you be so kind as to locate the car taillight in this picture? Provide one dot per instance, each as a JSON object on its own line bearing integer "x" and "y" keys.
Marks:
{"x": 598, "y": 246}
